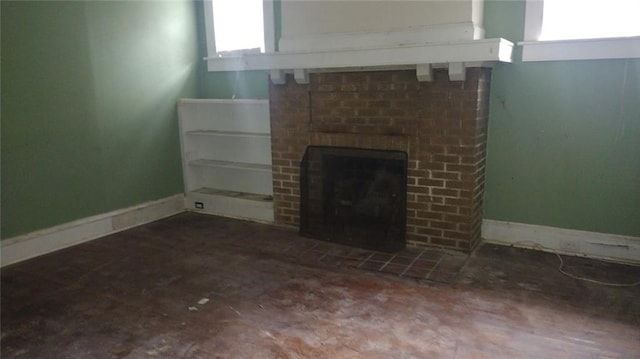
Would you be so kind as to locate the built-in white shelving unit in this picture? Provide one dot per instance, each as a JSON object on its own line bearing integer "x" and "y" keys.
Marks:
{"x": 226, "y": 157}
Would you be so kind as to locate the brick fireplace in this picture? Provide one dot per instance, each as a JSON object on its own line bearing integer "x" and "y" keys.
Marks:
{"x": 441, "y": 125}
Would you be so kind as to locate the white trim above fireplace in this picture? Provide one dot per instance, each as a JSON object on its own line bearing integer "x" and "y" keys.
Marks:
{"x": 462, "y": 54}
{"x": 412, "y": 36}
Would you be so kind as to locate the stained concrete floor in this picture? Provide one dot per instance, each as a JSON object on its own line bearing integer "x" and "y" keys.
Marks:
{"x": 196, "y": 286}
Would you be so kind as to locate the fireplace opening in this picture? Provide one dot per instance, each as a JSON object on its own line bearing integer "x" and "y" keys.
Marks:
{"x": 354, "y": 196}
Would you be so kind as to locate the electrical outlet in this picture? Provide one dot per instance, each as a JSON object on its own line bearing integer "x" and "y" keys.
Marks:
{"x": 199, "y": 205}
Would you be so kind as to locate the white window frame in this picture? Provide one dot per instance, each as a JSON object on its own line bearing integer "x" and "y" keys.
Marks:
{"x": 560, "y": 50}
{"x": 269, "y": 29}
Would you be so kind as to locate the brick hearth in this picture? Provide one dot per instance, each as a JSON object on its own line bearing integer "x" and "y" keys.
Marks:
{"x": 442, "y": 125}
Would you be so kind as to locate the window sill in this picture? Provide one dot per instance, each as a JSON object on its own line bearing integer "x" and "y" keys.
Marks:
{"x": 587, "y": 49}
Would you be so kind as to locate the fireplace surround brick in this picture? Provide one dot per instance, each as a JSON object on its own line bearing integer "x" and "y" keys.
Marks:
{"x": 442, "y": 125}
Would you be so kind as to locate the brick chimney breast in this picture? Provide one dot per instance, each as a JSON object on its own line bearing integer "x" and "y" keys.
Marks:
{"x": 442, "y": 125}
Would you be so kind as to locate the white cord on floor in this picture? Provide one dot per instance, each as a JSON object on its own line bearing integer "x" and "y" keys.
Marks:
{"x": 561, "y": 269}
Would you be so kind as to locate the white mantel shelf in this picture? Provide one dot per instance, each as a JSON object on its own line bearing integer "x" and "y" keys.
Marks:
{"x": 457, "y": 55}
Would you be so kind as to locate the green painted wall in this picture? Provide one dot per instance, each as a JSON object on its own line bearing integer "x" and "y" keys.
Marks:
{"x": 564, "y": 138}
{"x": 89, "y": 94}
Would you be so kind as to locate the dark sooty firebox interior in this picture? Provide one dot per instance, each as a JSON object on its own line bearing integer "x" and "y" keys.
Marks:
{"x": 354, "y": 196}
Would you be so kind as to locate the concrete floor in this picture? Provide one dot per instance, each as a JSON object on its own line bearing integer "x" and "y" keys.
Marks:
{"x": 196, "y": 286}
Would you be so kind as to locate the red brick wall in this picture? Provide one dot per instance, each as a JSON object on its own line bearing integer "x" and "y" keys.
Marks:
{"x": 442, "y": 125}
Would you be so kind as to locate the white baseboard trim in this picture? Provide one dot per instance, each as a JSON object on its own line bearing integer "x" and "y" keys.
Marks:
{"x": 552, "y": 239}
{"x": 48, "y": 240}
{"x": 565, "y": 241}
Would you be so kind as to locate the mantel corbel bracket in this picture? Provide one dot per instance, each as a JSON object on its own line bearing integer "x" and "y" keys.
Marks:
{"x": 301, "y": 76}
{"x": 457, "y": 71}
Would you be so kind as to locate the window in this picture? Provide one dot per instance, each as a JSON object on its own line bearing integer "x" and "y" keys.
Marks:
{"x": 581, "y": 30}
{"x": 237, "y": 26}
{"x": 589, "y": 19}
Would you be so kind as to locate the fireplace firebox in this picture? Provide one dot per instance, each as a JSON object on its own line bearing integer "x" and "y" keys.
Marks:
{"x": 354, "y": 196}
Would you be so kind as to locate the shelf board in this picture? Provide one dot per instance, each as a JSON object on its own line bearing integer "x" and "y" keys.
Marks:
{"x": 233, "y": 194}
{"x": 251, "y": 206}
{"x": 224, "y": 101}
{"x": 483, "y": 50}
{"x": 230, "y": 164}
{"x": 228, "y": 133}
